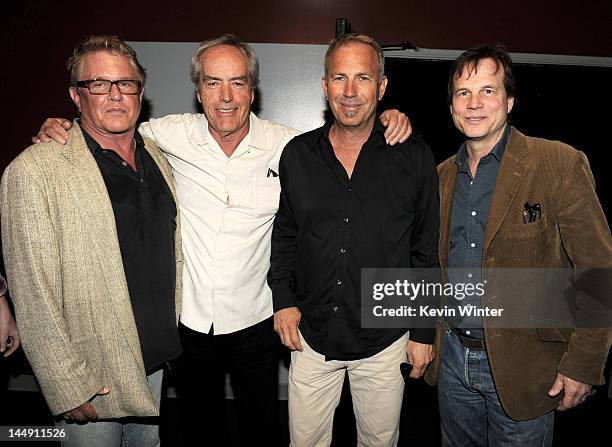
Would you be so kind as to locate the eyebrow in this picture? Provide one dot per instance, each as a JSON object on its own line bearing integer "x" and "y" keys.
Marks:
{"x": 213, "y": 78}
{"x": 492, "y": 87}
{"x": 109, "y": 78}
{"x": 365, "y": 73}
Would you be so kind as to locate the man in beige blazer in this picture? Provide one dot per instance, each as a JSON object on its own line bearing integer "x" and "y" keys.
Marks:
{"x": 92, "y": 248}
{"x": 512, "y": 201}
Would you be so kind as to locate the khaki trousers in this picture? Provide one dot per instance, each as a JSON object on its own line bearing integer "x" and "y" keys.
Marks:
{"x": 315, "y": 387}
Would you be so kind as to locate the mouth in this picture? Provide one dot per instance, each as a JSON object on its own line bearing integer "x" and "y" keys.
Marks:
{"x": 226, "y": 110}
{"x": 475, "y": 119}
{"x": 350, "y": 110}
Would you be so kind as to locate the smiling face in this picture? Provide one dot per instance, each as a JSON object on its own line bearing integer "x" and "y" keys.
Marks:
{"x": 114, "y": 113}
{"x": 480, "y": 105}
{"x": 225, "y": 91}
{"x": 352, "y": 85}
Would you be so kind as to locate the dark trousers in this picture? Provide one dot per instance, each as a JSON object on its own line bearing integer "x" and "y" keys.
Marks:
{"x": 251, "y": 358}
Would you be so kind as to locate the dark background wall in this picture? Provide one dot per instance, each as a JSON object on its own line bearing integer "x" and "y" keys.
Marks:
{"x": 36, "y": 36}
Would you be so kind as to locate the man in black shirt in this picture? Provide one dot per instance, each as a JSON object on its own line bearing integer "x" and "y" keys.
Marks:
{"x": 349, "y": 201}
{"x": 92, "y": 250}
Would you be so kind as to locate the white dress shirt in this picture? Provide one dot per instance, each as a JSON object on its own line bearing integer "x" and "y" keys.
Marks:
{"x": 227, "y": 207}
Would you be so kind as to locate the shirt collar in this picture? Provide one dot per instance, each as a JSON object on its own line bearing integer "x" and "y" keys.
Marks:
{"x": 497, "y": 152}
{"x": 94, "y": 146}
{"x": 378, "y": 131}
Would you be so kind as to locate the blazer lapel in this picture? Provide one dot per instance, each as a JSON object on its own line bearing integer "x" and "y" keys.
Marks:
{"x": 447, "y": 187}
{"x": 91, "y": 196}
{"x": 511, "y": 174}
{"x": 164, "y": 167}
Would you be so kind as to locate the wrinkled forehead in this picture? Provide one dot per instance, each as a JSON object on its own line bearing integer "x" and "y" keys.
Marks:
{"x": 355, "y": 56}
{"x": 224, "y": 60}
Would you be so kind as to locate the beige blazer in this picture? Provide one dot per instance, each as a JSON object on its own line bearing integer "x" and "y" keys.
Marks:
{"x": 572, "y": 231}
{"x": 67, "y": 281}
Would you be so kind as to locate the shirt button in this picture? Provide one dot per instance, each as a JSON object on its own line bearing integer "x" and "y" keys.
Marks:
{"x": 473, "y": 213}
{"x": 342, "y": 250}
{"x": 335, "y": 308}
{"x": 339, "y": 282}
{"x": 349, "y": 190}
{"x": 472, "y": 245}
{"x": 346, "y": 219}
{"x": 467, "y": 332}
{"x": 124, "y": 163}
{"x": 469, "y": 275}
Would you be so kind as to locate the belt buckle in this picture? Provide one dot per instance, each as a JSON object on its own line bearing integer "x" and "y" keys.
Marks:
{"x": 471, "y": 343}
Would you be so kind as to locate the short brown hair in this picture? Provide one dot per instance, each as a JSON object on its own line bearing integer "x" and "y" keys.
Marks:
{"x": 232, "y": 41}
{"x": 354, "y": 38}
{"x": 97, "y": 43}
{"x": 470, "y": 59}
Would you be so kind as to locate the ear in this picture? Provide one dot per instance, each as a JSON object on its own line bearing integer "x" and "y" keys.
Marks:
{"x": 74, "y": 94}
{"x": 382, "y": 87}
{"x": 199, "y": 97}
{"x": 510, "y": 104}
{"x": 252, "y": 95}
{"x": 324, "y": 86}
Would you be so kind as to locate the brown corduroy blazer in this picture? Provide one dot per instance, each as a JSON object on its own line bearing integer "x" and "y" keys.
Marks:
{"x": 572, "y": 232}
{"x": 67, "y": 281}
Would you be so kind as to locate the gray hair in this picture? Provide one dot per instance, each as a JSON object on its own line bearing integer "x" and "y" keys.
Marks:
{"x": 233, "y": 41}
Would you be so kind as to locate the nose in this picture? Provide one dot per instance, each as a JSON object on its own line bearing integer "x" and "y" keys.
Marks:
{"x": 227, "y": 95}
{"x": 350, "y": 88}
{"x": 475, "y": 102}
{"x": 114, "y": 93}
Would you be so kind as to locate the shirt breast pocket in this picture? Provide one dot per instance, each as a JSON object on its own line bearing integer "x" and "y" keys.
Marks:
{"x": 267, "y": 192}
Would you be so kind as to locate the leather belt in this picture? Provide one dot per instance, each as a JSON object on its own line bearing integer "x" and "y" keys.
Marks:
{"x": 476, "y": 344}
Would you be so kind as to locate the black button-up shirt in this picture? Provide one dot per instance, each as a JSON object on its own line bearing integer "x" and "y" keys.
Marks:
{"x": 471, "y": 205}
{"x": 145, "y": 216}
{"x": 328, "y": 227}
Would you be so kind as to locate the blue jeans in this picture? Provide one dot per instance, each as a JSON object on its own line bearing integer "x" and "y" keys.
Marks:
{"x": 126, "y": 432}
{"x": 470, "y": 411}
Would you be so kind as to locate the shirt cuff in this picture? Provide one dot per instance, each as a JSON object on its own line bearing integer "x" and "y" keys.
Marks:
{"x": 282, "y": 298}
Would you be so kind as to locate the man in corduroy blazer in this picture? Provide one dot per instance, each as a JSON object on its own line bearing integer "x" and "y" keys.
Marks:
{"x": 92, "y": 248}
{"x": 512, "y": 201}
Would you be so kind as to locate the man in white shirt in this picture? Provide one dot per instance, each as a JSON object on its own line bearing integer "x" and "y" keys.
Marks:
{"x": 225, "y": 165}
